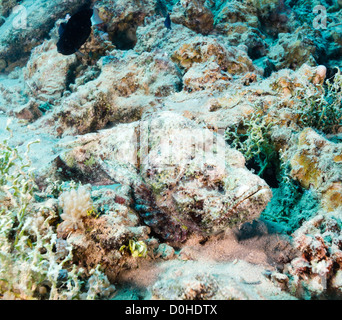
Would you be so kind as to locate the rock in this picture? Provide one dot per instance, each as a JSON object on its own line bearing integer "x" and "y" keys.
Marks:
{"x": 316, "y": 271}
{"x": 46, "y": 73}
{"x": 153, "y": 35}
{"x": 100, "y": 240}
{"x": 186, "y": 48}
{"x": 275, "y": 17}
{"x": 280, "y": 280}
{"x": 336, "y": 282}
{"x": 206, "y": 76}
{"x": 309, "y": 159}
{"x": 127, "y": 84}
{"x": 201, "y": 49}
{"x": 193, "y": 14}
{"x": 239, "y": 23}
{"x": 122, "y": 19}
{"x": 215, "y": 75}
{"x": 164, "y": 251}
{"x": 294, "y": 49}
{"x": 29, "y": 112}
{"x": 235, "y": 12}
{"x": 6, "y": 6}
{"x": 3, "y": 65}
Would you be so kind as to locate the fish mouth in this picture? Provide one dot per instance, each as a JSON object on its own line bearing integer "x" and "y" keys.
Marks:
{"x": 249, "y": 194}
{"x": 254, "y": 201}
{"x": 244, "y": 208}
{"x": 222, "y": 212}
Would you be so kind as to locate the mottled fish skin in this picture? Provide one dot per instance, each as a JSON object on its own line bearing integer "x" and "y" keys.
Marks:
{"x": 167, "y": 22}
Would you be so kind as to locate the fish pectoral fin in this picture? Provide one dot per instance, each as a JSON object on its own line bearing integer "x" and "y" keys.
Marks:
{"x": 95, "y": 18}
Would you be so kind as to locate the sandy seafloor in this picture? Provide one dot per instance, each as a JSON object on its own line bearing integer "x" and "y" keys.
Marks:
{"x": 262, "y": 223}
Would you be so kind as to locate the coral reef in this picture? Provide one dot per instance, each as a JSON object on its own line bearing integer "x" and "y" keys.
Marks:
{"x": 193, "y": 14}
{"x": 313, "y": 155}
{"x": 316, "y": 272}
{"x": 46, "y": 72}
{"x": 120, "y": 92}
{"x": 197, "y": 160}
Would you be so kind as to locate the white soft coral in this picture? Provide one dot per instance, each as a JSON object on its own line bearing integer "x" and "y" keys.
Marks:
{"x": 76, "y": 204}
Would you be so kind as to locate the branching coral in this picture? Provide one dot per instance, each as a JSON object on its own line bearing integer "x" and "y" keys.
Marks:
{"x": 99, "y": 286}
{"x": 76, "y": 204}
{"x": 31, "y": 264}
{"x": 321, "y": 109}
{"x": 252, "y": 139}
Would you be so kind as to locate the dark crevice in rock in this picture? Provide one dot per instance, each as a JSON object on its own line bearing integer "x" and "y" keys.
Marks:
{"x": 277, "y": 21}
{"x": 124, "y": 36}
{"x": 256, "y": 52}
{"x": 71, "y": 76}
{"x": 270, "y": 174}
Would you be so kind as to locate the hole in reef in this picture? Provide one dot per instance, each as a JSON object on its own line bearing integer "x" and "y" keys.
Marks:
{"x": 180, "y": 86}
{"x": 256, "y": 52}
{"x": 270, "y": 174}
{"x": 71, "y": 76}
{"x": 124, "y": 37}
{"x": 330, "y": 74}
{"x": 203, "y": 241}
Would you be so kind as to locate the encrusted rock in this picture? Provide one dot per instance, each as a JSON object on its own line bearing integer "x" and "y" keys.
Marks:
{"x": 100, "y": 239}
{"x": 207, "y": 75}
{"x": 201, "y": 49}
{"x": 47, "y": 71}
{"x": 294, "y": 49}
{"x": 122, "y": 17}
{"x": 193, "y": 14}
{"x": 318, "y": 267}
{"x": 164, "y": 251}
{"x": 29, "y": 111}
{"x": 310, "y": 158}
{"x": 127, "y": 84}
